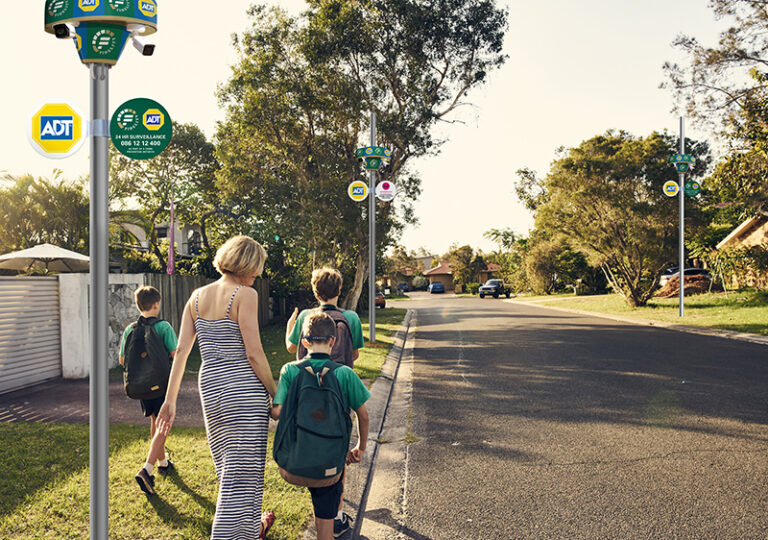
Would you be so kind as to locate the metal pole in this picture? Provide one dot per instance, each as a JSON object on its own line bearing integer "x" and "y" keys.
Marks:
{"x": 372, "y": 242}
{"x": 681, "y": 194}
{"x": 99, "y": 309}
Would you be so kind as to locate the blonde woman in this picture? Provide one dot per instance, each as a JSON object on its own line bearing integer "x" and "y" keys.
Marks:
{"x": 235, "y": 381}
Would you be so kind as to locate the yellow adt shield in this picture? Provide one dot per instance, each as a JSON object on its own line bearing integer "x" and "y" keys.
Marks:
{"x": 56, "y": 130}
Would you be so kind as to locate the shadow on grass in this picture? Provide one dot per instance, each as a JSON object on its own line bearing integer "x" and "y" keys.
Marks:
{"x": 172, "y": 516}
{"x": 205, "y": 503}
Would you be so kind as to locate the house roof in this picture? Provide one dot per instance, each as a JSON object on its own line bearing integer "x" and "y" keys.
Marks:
{"x": 492, "y": 267}
{"x": 745, "y": 228}
{"x": 444, "y": 268}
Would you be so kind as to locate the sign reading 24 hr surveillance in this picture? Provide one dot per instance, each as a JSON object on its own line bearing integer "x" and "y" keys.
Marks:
{"x": 56, "y": 130}
{"x": 141, "y": 128}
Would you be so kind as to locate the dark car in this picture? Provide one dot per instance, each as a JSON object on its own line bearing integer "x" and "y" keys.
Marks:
{"x": 381, "y": 301}
{"x": 495, "y": 288}
{"x": 436, "y": 287}
{"x": 669, "y": 273}
{"x": 403, "y": 287}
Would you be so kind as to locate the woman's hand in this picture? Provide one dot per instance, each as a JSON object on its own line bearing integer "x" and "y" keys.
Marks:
{"x": 165, "y": 417}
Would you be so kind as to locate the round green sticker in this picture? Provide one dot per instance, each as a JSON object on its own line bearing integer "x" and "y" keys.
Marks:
{"x": 141, "y": 128}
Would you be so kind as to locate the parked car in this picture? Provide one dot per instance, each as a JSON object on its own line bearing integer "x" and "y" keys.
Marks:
{"x": 403, "y": 287}
{"x": 436, "y": 287}
{"x": 669, "y": 273}
{"x": 381, "y": 300}
{"x": 495, "y": 288}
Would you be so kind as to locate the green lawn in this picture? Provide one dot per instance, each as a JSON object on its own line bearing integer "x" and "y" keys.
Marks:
{"x": 44, "y": 493}
{"x": 742, "y": 311}
{"x": 44, "y": 470}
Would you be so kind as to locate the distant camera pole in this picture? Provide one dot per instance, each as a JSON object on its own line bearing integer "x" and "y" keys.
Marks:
{"x": 373, "y": 157}
{"x": 100, "y": 32}
{"x": 372, "y": 242}
{"x": 682, "y": 162}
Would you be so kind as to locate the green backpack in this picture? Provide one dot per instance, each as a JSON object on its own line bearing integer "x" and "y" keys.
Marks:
{"x": 312, "y": 437}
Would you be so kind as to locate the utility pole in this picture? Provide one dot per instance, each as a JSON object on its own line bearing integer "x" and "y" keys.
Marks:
{"x": 681, "y": 194}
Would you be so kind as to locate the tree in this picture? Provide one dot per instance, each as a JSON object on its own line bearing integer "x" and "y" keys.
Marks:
{"x": 605, "y": 197}
{"x": 716, "y": 82}
{"x": 184, "y": 172}
{"x": 43, "y": 210}
{"x": 465, "y": 264}
{"x": 301, "y": 93}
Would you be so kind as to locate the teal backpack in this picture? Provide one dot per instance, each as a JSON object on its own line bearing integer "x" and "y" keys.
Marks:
{"x": 312, "y": 437}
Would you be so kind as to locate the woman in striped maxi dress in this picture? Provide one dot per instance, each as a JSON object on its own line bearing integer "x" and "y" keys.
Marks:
{"x": 236, "y": 385}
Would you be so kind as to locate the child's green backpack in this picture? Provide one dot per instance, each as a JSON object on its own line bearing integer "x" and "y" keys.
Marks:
{"x": 312, "y": 438}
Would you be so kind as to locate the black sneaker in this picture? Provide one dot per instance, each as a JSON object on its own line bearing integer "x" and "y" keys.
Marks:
{"x": 146, "y": 481}
{"x": 168, "y": 468}
{"x": 340, "y": 526}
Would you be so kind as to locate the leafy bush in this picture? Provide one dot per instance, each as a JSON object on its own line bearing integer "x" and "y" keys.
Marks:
{"x": 472, "y": 288}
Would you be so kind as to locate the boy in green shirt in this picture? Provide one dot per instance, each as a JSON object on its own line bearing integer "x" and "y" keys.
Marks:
{"x": 148, "y": 303}
{"x": 319, "y": 330}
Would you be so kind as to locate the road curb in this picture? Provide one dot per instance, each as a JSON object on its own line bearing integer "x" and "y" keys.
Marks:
{"x": 700, "y": 330}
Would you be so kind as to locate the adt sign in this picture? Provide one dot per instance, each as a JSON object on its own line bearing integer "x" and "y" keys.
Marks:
{"x": 56, "y": 130}
{"x": 357, "y": 191}
{"x": 153, "y": 119}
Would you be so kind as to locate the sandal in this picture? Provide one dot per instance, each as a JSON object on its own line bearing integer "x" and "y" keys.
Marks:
{"x": 267, "y": 519}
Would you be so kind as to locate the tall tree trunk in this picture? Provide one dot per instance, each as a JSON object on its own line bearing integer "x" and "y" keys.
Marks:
{"x": 361, "y": 273}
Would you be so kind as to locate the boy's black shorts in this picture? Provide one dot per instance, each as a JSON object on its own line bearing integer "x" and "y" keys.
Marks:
{"x": 325, "y": 500}
{"x": 152, "y": 406}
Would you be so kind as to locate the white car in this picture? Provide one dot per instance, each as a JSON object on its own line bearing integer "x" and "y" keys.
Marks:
{"x": 669, "y": 273}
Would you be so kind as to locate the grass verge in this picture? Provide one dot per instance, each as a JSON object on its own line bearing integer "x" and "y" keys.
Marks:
{"x": 741, "y": 311}
{"x": 44, "y": 493}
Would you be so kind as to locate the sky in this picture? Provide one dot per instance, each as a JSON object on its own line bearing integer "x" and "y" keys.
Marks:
{"x": 575, "y": 70}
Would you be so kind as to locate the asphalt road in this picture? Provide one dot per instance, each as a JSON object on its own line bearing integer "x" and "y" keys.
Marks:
{"x": 542, "y": 424}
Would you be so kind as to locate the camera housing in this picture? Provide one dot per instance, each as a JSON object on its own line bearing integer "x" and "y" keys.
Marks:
{"x": 64, "y": 30}
{"x": 141, "y": 45}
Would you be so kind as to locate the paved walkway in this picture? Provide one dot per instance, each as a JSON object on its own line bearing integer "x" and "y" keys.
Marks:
{"x": 62, "y": 400}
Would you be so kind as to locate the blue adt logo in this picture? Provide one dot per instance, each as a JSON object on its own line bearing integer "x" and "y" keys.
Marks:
{"x": 359, "y": 190}
{"x": 154, "y": 119}
{"x": 56, "y": 128}
{"x": 89, "y": 3}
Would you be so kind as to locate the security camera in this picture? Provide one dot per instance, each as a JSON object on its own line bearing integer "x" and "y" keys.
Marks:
{"x": 139, "y": 42}
{"x": 142, "y": 46}
{"x": 64, "y": 30}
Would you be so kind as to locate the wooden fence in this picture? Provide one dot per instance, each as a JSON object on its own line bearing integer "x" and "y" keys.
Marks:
{"x": 176, "y": 290}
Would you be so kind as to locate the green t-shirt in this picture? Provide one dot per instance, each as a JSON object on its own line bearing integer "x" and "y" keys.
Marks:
{"x": 163, "y": 329}
{"x": 354, "y": 391}
{"x": 358, "y": 341}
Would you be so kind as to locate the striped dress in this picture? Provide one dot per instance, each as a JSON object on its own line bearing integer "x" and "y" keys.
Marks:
{"x": 236, "y": 410}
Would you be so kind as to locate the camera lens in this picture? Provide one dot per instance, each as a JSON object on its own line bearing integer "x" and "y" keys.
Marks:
{"x": 61, "y": 31}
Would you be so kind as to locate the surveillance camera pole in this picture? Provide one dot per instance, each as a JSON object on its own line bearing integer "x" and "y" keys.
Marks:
{"x": 100, "y": 34}
{"x": 99, "y": 308}
{"x": 681, "y": 194}
{"x": 372, "y": 242}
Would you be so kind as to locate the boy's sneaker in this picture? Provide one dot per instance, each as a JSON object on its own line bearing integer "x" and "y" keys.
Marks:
{"x": 340, "y": 526}
{"x": 146, "y": 481}
{"x": 168, "y": 468}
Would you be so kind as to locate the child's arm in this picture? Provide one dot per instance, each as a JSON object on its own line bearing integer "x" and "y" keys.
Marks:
{"x": 289, "y": 330}
{"x": 122, "y": 361}
{"x": 186, "y": 340}
{"x": 275, "y": 412}
{"x": 356, "y": 454}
